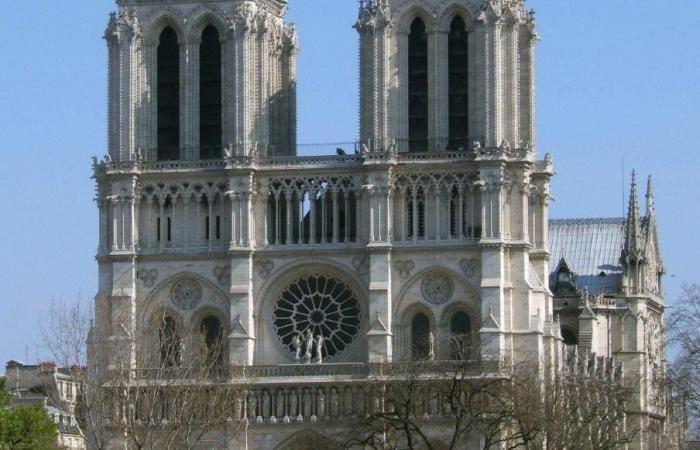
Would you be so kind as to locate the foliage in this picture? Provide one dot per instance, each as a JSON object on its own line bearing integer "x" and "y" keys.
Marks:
{"x": 4, "y": 396}
{"x": 27, "y": 428}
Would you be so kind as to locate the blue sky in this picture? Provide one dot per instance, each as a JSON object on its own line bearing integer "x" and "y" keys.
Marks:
{"x": 617, "y": 80}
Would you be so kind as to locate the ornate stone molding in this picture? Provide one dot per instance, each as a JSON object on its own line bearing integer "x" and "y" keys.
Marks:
{"x": 222, "y": 275}
{"x": 361, "y": 265}
{"x": 148, "y": 277}
{"x": 265, "y": 267}
{"x": 404, "y": 267}
{"x": 470, "y": 266}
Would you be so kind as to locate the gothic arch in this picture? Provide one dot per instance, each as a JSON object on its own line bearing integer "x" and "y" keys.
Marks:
{"x": 307, "y": 440}
{"x": 452, "y": 11}
{"x": 412, "y": 13}
{"x": 161, "y": 18}
{"x": 158, "y": 298}
{"x": 204, "y": 16}
{"x": 469, "y": 291}
{"x": 272, "y": 291}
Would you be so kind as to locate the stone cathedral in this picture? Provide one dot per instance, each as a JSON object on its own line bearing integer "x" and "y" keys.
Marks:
{"x": 213, "y": 220}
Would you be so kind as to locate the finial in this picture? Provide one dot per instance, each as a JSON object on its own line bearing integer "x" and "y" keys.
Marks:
{"x": 650, "y": 196}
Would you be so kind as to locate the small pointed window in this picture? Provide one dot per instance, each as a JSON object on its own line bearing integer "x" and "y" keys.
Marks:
{"x": 210, "y": 119}
{"x": 168, "y": 96}
{"x": 418, "y": 87}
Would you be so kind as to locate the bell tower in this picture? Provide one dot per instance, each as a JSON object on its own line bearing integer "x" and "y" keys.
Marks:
{"x": 194, "y": 80}
{"x": 432, "y": 79}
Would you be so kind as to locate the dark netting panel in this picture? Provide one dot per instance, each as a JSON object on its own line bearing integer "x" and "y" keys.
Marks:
{"x": 418, "y": 87}
{"x": 326, "y": 306}
{"x": 168, "y": 96}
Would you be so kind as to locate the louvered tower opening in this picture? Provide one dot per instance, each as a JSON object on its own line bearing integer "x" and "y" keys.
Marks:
{"x": 168, "y": 96}
{"x": 418, "y": 87}
{"x": 210, "y": 119}
{"x": 458, "y": 84}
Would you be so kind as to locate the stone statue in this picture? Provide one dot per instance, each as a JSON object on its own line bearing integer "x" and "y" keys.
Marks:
{"x": 309, "y": 338}
{"x": 431, "y": 346}
{"x": 296, "y": 343}
{"x": 319, "y": 348}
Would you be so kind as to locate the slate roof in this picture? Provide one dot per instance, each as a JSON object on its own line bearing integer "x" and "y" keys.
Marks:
{"x": 590, "y": 247}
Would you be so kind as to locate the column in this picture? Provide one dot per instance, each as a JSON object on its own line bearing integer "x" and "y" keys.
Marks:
{"x": 460, "y": 220}
{"x": 312, "y": 215}
{"x": 290, "y": 224}
{"x": 210, "y": 212}
{"x": 438, "y": 219}
{"x": 189, "y": 130}
{"x": 161, "y": 219}
{"x": 414, "y": 216}
{"x": 336, "y": 217}
{"x": 235, "y": 210}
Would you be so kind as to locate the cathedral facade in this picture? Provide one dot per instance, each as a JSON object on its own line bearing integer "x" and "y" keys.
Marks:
{"x": 435, "y": 224}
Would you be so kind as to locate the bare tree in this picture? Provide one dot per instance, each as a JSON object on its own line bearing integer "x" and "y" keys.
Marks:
{"x": 508, "y": 405}
{"x": 683, "y": 331}
{"x": 170, "y": 390}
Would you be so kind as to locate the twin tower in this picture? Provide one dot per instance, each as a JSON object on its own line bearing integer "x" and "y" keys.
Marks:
{"x": 194, "y": 80}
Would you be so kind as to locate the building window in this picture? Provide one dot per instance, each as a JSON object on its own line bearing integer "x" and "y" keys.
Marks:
{"x": 569, "y": 336}
{"x": 458, "y": 84}
{"x": 218, "y": 227}
{"x": 418, "y": 87}
{"x": 170, "y": 343}
{"x": 168, "y": 96}
{"x": 210, "y": 118}
{"x": 461, "y": 332}
{"x": 212, "y": 340}
{"x": 170, "y": 229}
{"x": 320, "y": 305}
{"x": 420, "y": 340}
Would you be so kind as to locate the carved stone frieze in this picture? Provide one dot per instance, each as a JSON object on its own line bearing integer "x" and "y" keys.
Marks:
{"x": 470, "y": 266}
{"x": 148, "y": 277}
{"x": 265, "y": 267}
{"x": 361, "y": 265}
{"x": 223, "y": 275}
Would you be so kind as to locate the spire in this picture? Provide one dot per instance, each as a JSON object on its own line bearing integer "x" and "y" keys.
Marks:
{"x": 632, "y": 250}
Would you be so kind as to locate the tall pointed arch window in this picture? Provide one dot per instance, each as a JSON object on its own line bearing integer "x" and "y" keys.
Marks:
{"x": 212, "y": 340}
{"x": 460, "y": 329}
{"x": 458, "y": 54}
{"x": 418, "y": 87}
{"x": 170, "y": 343}
{"x": 210, "y": 121}
{"x": 420, "y": 336}
{"x": 168, "y": 95}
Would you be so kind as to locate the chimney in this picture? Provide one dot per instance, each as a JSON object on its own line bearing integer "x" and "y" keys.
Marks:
{"x": 47, "y": 367}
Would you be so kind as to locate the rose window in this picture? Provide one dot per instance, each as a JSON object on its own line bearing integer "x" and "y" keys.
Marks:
{"x": 186, "y": 294}
{"x": 437, "y": 288}
{"x": 324, "y": 305}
